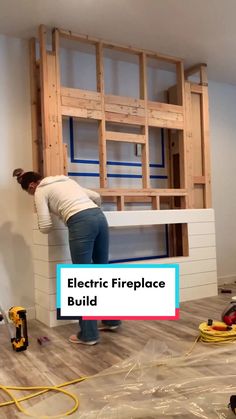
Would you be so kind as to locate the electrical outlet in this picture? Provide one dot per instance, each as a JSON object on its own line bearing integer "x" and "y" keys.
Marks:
{"x": 138, "y": 150}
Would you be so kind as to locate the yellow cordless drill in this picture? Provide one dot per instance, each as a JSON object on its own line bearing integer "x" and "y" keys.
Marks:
{"x": 18, "y": 316}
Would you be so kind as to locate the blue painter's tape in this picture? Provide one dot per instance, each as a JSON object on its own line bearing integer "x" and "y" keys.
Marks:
{"x": 115, "y": 175}
{"x": 112, "y": 163}
{"x": 137, "y": 259}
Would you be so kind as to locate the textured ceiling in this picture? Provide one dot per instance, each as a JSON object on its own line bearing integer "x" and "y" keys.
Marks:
{"x": 196, "y": 30}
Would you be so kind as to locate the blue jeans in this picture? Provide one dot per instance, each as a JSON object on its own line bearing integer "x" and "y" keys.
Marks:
{"x": 89, "y": 242}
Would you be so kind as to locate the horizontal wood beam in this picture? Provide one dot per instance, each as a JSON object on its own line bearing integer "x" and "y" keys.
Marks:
{"x": 202, "y": 70}
{"x": 80, "y": 93}
{"x": 123, "y": 100}
{"x": 124, "y": 137}
{"x": 131, "y": 50}
{"x": 141, "y": 192}
{"x": 124, "y": 118}
{"x": 165, "y": 107}
{"x": 163, "y": 121}
{"x": 120, "y": 100}
{"x": 74, "y": 102}
{"x": 81, "y": 113}
{"x": 119, "y": 109}
{"x": 194, "y": 69}
{"x": 196, "y": 88}
{"x": 137, "y": 199}
{"x": 124, "y": 109}
{"x": 199, "y": 180}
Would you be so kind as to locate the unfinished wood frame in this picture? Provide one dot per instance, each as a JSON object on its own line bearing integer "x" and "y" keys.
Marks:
{"x": 36, "y": 127}
{"x": 199, "y": 70}
{"x": 198, "y": 182}
{"x": 58, "y": 101}
{"x": 198, "y": 116}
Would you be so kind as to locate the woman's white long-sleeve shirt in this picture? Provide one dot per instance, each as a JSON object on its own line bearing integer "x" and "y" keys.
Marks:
{"x": 63, "y": 197}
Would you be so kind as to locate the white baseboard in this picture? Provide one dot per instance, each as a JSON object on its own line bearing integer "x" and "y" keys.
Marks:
{"x": 228, "y": 279}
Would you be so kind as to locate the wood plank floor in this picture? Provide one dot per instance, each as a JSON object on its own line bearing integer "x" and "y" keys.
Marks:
{"x": 62, "y": 361}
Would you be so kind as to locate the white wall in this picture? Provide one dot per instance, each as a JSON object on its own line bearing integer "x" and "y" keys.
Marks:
{"x": 223, "y": 144}
{"x": 16, "y": 269}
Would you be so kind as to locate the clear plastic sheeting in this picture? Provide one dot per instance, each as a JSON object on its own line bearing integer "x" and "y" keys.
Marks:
{"x": 154, "y": 383}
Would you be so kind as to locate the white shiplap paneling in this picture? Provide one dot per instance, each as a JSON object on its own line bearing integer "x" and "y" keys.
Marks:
{"x": 198, "y": 272}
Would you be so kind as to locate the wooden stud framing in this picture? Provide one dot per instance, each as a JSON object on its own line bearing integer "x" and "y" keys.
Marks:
{"x": 198, "y": 122}
{"x": 123, "y": 137}
{"x": 102, "y": 122}
{"x": 62, "y": 149}
{"x": 35, "y": 109}
{"x": 88, "y": 104}
{"x": 198, "y": 69}
{"x": 44, "y": 96}
{"x": 65, "y": 159}
{"x": 203, "y": 75}
{"x": 53, "y": 155}
{"x": 58, "y": 100}
{"x": 142, "y": 192}
{"x": 196, "y": 88}
{"x": 182, "y": 134}
{"x": 184, "y": 145}
{"x": 199, "y": 180}
{"x": 139, "y": 195}
{"x": 144, "y": 129}
{"x": 189, "y": 149}
{"x": 156, "y": 202}
{"x": 94, "y": 41}
{"x": 120, "y": 203}
{"x": 206, "y": 148}
{"x": 180, "y": 83}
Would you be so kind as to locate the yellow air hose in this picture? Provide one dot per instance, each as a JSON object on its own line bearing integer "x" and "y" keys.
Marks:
{"x": 44, "y": 389}
{"x": 41, "y": 390}
{"x": 209, "y": 335}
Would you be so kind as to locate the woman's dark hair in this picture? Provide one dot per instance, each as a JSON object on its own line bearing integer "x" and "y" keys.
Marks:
{"x": 25, "y": 178}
